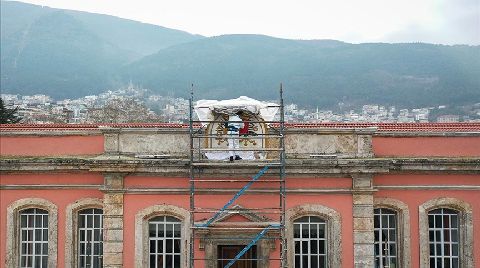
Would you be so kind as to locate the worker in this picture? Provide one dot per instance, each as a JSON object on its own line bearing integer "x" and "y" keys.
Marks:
{"x": 234, "y": 125}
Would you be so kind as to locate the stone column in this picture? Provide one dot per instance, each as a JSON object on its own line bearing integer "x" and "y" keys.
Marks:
{"x": 363, "y": 235}
{"x": 113, "y": 221}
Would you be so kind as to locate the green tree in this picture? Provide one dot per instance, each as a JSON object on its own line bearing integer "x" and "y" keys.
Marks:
{"x": 8, "y": 116}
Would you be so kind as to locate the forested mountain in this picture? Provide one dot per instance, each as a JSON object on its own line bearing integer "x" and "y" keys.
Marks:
{"x": 315, "y": 72}
{"x": 71, "y": 54}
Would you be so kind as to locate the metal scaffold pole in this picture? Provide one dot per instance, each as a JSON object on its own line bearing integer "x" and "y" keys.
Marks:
{"x": 283, "y": 253}
{"x": 192, "y": 183}
{"x": 206, "y": 223}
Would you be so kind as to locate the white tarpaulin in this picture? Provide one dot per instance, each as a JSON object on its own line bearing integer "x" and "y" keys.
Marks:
{"x": 205, "y": 109}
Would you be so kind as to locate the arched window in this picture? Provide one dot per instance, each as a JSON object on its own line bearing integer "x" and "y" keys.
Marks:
{"x": 314, "y": 235}
{"x": 33, "y": 238}
{"x": 165, "y": 240}
{"x": 391, "y": 224}
{"x": 309, "y": 236}
{"x": 446, "y": 233}
{"x": 31, "y": 233}
{"x": 161, "y": 233}
{"x": 84, "y": 233}
{"x": 90, "y": 238}
{"x": 386, "y": 237}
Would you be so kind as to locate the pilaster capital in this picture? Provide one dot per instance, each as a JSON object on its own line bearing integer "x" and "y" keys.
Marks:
{"x": 362, "y": 181}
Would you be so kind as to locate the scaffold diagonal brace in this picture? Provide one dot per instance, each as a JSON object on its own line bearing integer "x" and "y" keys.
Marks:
{"x": 237, "y": 195}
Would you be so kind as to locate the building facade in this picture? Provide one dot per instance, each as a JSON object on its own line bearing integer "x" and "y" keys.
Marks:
{"x": 357, "y": 195}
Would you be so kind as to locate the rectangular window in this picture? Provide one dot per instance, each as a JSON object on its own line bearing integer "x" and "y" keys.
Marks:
{"x": 310, "y": 242}
{"x": 34, "y": 238}
{"x": 443, "y": 238}
{"x": 385, "y": 231}
{"x": 165, "y": 242}
{"x": 90, "y": 238}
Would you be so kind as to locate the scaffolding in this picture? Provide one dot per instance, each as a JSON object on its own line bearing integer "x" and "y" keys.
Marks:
{"x": 269, "y": 180}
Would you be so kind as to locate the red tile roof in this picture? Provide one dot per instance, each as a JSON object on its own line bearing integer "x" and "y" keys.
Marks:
{"x": 381, "y": 127}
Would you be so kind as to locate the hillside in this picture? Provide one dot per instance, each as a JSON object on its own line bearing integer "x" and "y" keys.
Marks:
{"x": 315, "y": 72}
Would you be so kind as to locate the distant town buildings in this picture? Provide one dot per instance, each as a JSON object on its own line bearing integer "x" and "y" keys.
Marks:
{"x": 41, "y": 108}
{"x": 449, "y": 118}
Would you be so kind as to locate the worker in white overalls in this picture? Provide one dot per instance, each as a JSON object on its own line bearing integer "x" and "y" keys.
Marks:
{"x": 234, "y": 125}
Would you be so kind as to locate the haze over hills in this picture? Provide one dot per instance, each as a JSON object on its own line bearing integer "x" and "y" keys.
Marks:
{"x": 71, "y": 54}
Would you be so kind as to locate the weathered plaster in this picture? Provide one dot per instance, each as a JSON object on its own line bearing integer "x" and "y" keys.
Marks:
{"x": 159, "y": 143}
{"x": 304, "y": 145}
{"x": 365, "y": 147}
{"x": 295, "y": 167}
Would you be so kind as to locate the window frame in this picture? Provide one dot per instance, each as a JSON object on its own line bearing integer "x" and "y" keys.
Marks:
{"x": 34, "y": 242}
{"x": 94, "y": 215}
{"x": 13, "y": 229}
{"x": 465, "y": 217}
{"x": 403, "y": 227}
{"x": 318, "y": 238}
{"x": 386, "y": 212}
{"x": 333, "y": 231}
{"x": 164, "y": 238}
{"x": 71, "y": 227}
{"x": 142, "y": 219}
{"x": 442, "y": 213}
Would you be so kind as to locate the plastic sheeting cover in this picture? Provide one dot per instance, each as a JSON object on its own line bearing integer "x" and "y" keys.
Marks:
{"x": 205, "y": 109}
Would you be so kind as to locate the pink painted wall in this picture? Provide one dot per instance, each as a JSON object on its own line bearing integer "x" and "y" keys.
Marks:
{"x": 134, "y": 203}
{"x": 426, "y": 146}
{"x": 61, "y": 198}
{"x": 291, "y": 183}
{"x": 414, "y": 198}
{"x": 46, "y": 179}
{"x": 416, "y": 179}
{"x": 51, "y": 145}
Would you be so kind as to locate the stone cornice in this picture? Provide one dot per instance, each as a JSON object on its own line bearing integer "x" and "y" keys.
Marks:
{"x": 295, "y": 167}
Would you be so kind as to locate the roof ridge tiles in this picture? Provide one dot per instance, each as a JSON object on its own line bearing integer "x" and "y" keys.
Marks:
{"x": 470, "y": 127}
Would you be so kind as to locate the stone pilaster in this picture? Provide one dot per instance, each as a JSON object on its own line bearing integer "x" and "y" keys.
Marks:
{"x": 111, "y": 141}
{"x": 365, "y": 147}
{"x": 113, "y": 221}
{"x": 363, "y": 235}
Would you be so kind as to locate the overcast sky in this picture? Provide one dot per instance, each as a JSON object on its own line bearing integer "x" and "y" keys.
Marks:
{"x": 355, "y": 21}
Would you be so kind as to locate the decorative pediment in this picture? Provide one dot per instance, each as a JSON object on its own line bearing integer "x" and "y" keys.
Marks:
{"x": 239, "y": 211}
{"x": 236, "y": 217}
